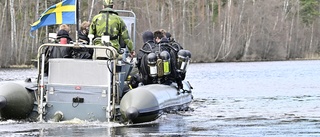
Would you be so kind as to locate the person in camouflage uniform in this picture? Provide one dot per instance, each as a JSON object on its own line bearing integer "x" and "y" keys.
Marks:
{"x": 116, "y": 27}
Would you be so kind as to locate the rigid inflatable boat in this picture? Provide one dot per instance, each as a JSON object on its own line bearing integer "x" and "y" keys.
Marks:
{"x": 89, "y": 89}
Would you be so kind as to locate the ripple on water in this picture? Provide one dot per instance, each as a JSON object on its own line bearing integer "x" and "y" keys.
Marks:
{"x": 230, "y": 99}
{"x": 257, "y": 113}
{"x": 17, "y": 74}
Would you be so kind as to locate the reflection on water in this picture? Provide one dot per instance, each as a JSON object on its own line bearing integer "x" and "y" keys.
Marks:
{"x": 230, "y": 99}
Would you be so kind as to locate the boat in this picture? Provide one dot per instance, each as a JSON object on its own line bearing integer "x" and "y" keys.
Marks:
{"x": 90, "y": 89}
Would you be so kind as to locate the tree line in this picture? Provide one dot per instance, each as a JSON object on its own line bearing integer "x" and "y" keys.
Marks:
{"x": 213, "y": 30}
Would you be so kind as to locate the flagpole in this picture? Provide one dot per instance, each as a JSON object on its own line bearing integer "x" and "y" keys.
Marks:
{"x": 77, "y": 20}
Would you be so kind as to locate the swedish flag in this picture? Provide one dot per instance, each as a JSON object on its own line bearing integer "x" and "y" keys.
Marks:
{"x": 62, "y": 13}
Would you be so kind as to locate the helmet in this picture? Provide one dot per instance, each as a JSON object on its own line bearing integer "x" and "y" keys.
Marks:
{"x": 108, "y": 2}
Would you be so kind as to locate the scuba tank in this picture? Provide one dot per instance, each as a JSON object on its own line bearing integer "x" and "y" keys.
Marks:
{"x": 160, "y": 67}
{"x": 184, "y": 57}
{"x": 165, "y": 56}
{"x": 152, "y": 64}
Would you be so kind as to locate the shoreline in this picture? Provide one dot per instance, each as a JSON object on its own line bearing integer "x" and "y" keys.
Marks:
{"x": 18, "y": 67}
{"x": 298, "y": 59}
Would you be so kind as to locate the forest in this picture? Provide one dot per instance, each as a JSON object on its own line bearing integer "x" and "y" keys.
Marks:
{"x": 213, "y": 30}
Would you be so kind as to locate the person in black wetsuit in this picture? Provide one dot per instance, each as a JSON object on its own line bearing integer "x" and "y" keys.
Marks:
{"x": 162, "y": 39}
{"x": 147, "y": 48}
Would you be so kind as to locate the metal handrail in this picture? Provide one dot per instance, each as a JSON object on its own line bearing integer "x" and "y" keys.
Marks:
{"x": 41, "y": 71}
{"x": 133, "y": 15}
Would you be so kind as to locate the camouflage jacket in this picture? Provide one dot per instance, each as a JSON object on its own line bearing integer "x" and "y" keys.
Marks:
{"x": 116, "y": 28}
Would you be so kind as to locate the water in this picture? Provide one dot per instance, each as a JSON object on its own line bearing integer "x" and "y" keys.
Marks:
{"x": 230, "y": 99}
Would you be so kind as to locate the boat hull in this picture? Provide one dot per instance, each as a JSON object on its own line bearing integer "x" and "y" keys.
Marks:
{"x": 16, "y": 102}
{"x": 146, "y": 103}
{"x": 91, "y": 103}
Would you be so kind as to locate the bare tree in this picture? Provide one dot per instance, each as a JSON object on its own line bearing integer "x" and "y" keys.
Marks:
{"x": 213, "y": 30}
{"x": 91, "y": 9}
{"x": 13, "y": 31}
{"x": 2, "y": 23}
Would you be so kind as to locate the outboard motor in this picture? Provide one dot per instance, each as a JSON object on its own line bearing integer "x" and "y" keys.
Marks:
{"x": 152, "y": 64}
{"x": 165, "y": 56}
{"x": 184, "y": 57}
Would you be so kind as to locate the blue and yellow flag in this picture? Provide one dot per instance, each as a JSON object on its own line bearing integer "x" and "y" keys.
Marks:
{"x": 62, "y": 13}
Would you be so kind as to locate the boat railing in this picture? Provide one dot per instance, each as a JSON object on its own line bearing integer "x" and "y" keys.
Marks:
{"x": 113, "y": 56}
{"x": 129, "y": 18}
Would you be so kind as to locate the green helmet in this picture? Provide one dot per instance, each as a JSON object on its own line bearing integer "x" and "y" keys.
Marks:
{"x": 108, "y": 2}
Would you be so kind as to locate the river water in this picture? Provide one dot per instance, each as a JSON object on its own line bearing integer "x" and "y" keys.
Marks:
{"x": 230, "y": 99}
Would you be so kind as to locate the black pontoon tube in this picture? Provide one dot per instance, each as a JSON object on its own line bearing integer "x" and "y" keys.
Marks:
{"x": 3, "y": 102}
